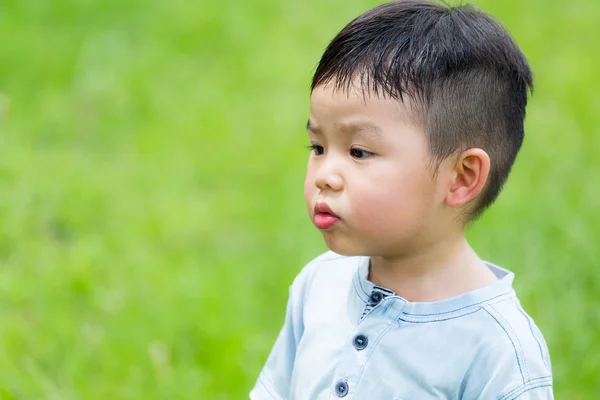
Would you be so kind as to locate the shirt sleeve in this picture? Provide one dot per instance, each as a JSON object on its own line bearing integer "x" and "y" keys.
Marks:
{"x": 503, "y": 380}
{"x": 534, "y": 393}
{"x": 275, "y": 379}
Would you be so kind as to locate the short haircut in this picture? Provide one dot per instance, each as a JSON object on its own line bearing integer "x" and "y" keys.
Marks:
{"x": 467, "y": 78}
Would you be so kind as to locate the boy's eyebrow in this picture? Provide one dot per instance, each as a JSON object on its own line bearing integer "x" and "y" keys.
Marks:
{"x": 350, "y": 128}
{"x": 364, "y": 127}
{"x": 312, "y": 128}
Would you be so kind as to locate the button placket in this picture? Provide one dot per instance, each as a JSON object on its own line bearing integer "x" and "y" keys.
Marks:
{"x": 359, "y": 348}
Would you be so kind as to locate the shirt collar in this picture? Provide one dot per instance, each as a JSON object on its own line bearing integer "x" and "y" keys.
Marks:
{"x": 501, "y": 288}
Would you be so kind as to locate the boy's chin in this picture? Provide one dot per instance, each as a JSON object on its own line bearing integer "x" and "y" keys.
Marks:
{"x": 343, "y": 246}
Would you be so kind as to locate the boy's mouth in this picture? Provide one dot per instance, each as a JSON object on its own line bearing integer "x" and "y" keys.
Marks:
{"x": 324, "y": 218}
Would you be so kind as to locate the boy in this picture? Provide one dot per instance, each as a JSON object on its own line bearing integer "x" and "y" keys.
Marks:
{"x": 416, "y": 118}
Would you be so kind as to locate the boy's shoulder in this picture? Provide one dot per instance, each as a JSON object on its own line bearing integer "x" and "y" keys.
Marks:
{"x": 325, "y": 279}
{"x": 328, "y": 265}
{"x": 510, "y": 348}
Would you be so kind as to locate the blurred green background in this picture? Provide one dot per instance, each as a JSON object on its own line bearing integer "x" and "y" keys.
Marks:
{"x": 151, "y": 208}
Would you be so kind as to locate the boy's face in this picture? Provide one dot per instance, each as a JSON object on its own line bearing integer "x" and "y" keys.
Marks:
{"x": 369, "y": 188}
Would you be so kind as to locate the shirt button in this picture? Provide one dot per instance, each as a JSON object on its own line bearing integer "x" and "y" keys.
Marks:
{"x": 360, "y": 342}
{"x": 375, "y": 298}
{"x": 341, "y": 389}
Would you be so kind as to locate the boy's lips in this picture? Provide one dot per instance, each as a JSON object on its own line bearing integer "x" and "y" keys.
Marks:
{"x": 324, "y": 218}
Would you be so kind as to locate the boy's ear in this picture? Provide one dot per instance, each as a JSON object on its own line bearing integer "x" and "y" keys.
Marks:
{"x": 469, "y": 177}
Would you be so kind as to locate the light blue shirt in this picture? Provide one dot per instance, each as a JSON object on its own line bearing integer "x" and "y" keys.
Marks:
{"x": 344, "y": 337}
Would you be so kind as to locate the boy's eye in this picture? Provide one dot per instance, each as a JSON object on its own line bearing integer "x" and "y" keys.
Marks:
{"x": 358, "y": 153}
{"x": 317, "y": 149}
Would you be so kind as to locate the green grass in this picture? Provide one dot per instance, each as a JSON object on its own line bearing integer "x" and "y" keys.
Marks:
{"x": 151, "y": 211}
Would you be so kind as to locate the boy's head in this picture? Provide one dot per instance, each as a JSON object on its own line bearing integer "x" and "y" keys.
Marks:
{"x": 452, "y": 75}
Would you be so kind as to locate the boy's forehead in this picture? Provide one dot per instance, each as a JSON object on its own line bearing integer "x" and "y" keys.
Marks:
{"x": 349, "y": 127}
{"x": 358, "y": 108}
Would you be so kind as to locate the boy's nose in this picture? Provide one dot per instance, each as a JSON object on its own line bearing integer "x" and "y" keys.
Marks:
{"x": 328, "y": 177}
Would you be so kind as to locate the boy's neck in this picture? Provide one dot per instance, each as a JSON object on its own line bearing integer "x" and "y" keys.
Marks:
{"x": 443, "y": 271}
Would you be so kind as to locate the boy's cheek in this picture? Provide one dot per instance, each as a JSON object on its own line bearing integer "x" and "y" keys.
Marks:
{"x": 309, "y": 191}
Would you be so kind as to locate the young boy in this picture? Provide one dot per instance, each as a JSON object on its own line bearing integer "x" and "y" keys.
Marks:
{"x": 416, "y": 118}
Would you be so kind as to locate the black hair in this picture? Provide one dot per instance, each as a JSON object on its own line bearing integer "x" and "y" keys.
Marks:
{"x": 460, "y": 67}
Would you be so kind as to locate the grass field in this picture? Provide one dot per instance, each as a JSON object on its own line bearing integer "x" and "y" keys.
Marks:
{"x": 151, "y": 209}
